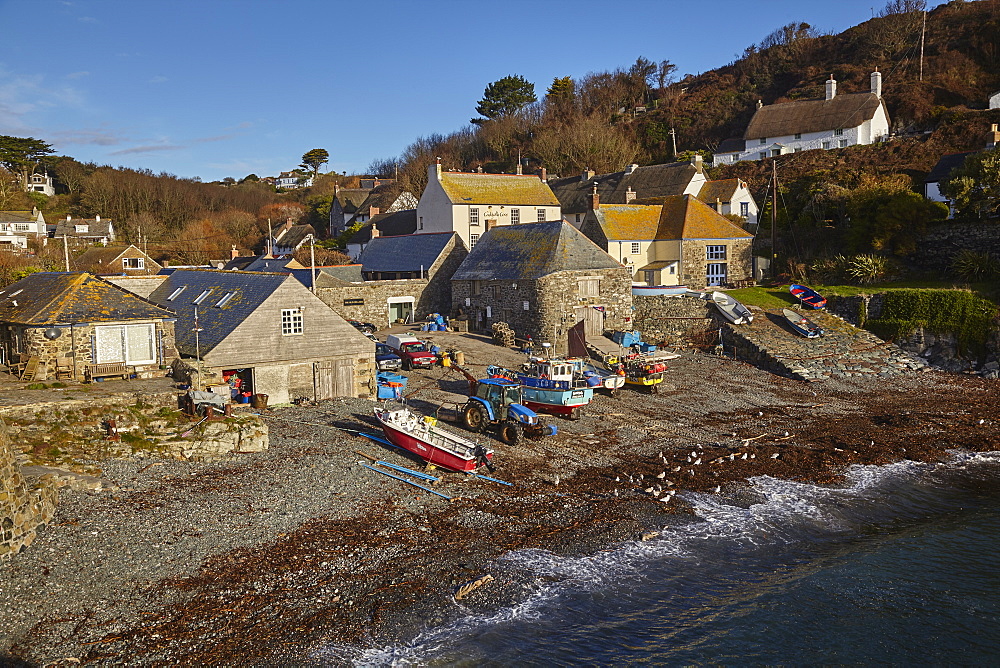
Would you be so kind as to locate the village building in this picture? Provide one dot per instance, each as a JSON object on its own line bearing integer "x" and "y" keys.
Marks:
{"x": 545, "y": 280}
{"x": 128, "y": 260}
{"x": 676, "y": 240}
{"x": 344, "y": 205}
{"x": 383, "y": 225}
{"x": 949, "y": 163}
{"x": 268, "y": 331}
{"x": 41, "y": 183}
{"x": 292, "y": 180}
{"x": 731, "y": 197}
{"x": 19, "y": 228}
{"x": 85, "y": 231}
{"x": 384, "y": 199}
{"x": 837, "y": 121}
{"x": 633, "y": 182}
{"x": 403, "y": 278}
{"x": 287, "y": 237}
{"x": 471, "y": 204}
{"x": 58, "y": 325}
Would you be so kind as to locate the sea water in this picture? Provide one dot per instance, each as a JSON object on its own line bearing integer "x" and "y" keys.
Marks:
{"x": 901, "y": 565}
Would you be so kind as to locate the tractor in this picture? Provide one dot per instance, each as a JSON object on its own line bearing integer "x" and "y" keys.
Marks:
{"x": 497, "y": 405}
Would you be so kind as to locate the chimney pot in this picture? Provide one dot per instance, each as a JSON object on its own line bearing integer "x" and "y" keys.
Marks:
{"x": 164, "y": 263}
{"x": 696, "y": 160}
{"x": 831, "y": 88}
{"x": 233, "y": 254}
{"x": 375, "y": 232}
{"x": 97, "y": 219}
{"x": 759, "y": 104}
{"x": 595, "y": 199}
{"x": 587, "y": 174}
{"x": 543, "y": 174}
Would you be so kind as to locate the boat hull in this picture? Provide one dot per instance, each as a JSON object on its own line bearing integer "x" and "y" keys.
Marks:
{"x": 556, "y": 402}
{"x": 807, "y": 296}
{"x": 801, "y": 325}
{"x": 429, "y": 452}
{"x": 652, "y": 290}
{"x": 732, "y": 310}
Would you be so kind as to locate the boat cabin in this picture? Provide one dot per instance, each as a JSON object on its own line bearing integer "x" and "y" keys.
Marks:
{"x": 550, "y": 369}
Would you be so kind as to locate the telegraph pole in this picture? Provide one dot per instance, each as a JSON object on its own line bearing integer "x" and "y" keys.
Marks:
{"x": 66, "y": 252}
{"x": 673, "y": 137}
{"x": 923, "y": 29}
{"x": 774, "y": 214}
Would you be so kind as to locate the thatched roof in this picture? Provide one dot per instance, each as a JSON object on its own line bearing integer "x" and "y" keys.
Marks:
{"x": 801, "y": 116}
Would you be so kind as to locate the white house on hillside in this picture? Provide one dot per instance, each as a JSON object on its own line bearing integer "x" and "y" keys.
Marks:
{"x": 472, "y": 204}
{"x": 730, "y": 196}
{"x": 836, "y": 121}
{"x": 995, "y": 100}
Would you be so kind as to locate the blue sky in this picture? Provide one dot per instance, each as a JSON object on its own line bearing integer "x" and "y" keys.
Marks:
{"x": 220, "y": 88}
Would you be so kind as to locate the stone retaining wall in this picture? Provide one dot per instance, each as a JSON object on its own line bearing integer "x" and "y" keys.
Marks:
{"x": 23, "y": 509}
{"x": 672, "y": 320}
{"x": 942, "y": 243}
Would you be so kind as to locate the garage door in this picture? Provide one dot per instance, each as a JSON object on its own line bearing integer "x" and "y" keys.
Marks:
{"x": 333, "y": 378}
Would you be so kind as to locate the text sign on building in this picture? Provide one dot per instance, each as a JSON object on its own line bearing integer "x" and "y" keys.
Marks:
{"x": 354, "y": 302}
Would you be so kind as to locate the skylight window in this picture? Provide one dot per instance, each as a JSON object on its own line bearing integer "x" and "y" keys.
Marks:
{"x": 225, "y": 299}
{"x": 200, "y": 298}
{"x": 16, "y": 292}
{"x": 176, "y": 293}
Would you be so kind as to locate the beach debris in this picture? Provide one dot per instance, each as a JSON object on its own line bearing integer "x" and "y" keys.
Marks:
{"x": 396, "y": 477}
{"x": 470, "y": 587}
{"x": 650, "y": 535}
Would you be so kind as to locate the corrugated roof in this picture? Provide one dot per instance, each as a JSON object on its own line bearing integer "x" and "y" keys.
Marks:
{"x": 504, "y": 189}
{"x": 249, "y": 289}
{"x": 532, "y": 250}
{"x": 788, "y": 118}
{"x": 650, "y": 181}
{"x": 946, "y": 165}
{"x": 48, "y": 298}
{"x": 722, "y": 190}
{"x": 404, "y": 253}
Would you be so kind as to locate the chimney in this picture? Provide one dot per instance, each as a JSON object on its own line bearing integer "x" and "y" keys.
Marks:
{"x": 68, "y": 217}
{"x": 759, "y": 104}
{"x": 437, "y": 168}
{"x": 696, "y": 161}
{"x": 479, "y": 169}
{"x": 288, "y": 224}
{"x": 629, "y": 195}
{"x": 543, "y": 174}
{"x": 877, "y": 83}
{"x": 631, "y": 168}
{"x": 373, "y": 211}
{"x": 993, "y": 137}
{"x": 595, "y": 199}
{"x": 164, "y": 263}
{"x": 587, "y": 174}
{"x": 375, "y": 232}
{"x": 831, "y": 88}
{"x": 520, "y": 170}
{"x": 233, "y": 254}
{"x": 97, "y": 219}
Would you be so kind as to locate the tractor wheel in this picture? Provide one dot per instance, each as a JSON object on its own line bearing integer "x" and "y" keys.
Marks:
{"x": 473, "y": 417}
{"x": 509, "y": 432}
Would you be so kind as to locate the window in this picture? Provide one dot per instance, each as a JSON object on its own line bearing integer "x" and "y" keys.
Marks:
{"x": 421, "y": 222}
{"x": 775, "y": 152}
{"x": 635, "y": 248}
{"x": 716, "y": 273}
{"x": 525, "y": 306}
{"x": 578, "y": 218}
{"x": 22, "y": 227}
{"x": 200, "y": 298}
{"x": 798, "y": 149}
{"x": 473, "y": 238}
{"x": 763, "y": 140}
{"x": 225, "y": 299}
{"x": 839, "y": 132}
{"x": 826, "y": 145}
{"x": 672, "y": 270}
{"x": 477, "y": 287}
{"x": 495, "y": 290}
{"x": 515, "y": 216}
{"x": 81, "y": 229}
{"x": 744, "y": 209}
{"x": 132, "y": 344}
{"x": 176, "y": 293}
{"x": 474, "y": 215}
{"x": 291, "y": 321}
{"x": 763, "y": 154}
{"x": 133, "y": 263}
{"x": 540, "y": 215}
{"x": 589, "y": 287}
{"x": 843, "y": 143}
{"x": 716, "y": 252}
{"x": 798, "y": 135}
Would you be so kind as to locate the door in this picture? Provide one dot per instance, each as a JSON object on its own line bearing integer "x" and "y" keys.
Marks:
{"x": 333, "y": 378}
{"x": 577, "y": 340}
{"x": 593, "y": 319}
{"x": 716, "y": 273}
{"x": 400, "y": 311}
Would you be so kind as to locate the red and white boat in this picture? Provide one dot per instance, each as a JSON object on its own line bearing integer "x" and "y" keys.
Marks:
{"x": 422, "y": 436}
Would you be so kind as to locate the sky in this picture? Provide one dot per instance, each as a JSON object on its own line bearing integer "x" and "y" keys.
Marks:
{"x": 219, "y": 88}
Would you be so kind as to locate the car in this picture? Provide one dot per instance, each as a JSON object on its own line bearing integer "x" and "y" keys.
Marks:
{"x": 413, "y": 351}
{"x": 386, "y": 358}
{"x": 363, "y": 327}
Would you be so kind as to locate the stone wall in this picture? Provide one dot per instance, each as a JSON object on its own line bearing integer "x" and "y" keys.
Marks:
{"x": 23, "y": 509}
{"x": 672, "y": 320}
{"x": 695, "y": 263}
{"x": 942, "y": 243}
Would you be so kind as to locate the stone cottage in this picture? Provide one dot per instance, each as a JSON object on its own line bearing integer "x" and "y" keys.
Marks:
{"x": 545, "y": 280}
{"x": 128, "y": 260}
{"x": 71, "y": 321}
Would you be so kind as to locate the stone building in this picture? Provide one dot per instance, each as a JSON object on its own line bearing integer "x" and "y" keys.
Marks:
{"x": 69, "y": 321}
{"x": 128, "y": 260}
{"x": 545, "y": 280}
{"x": 676, "y": 240}
{"x": 23, "y": 509}
{"x": 85, "y": 231}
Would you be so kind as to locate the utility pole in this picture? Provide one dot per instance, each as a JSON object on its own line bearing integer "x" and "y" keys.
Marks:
{"x": 923, "y": 29}
{"x": 66, "y": 252}
{"x": 673, "y": 136}
{"x": 312, "y": 261}
{"x": 774, "y": 214}
{"x": 197, "y": 347}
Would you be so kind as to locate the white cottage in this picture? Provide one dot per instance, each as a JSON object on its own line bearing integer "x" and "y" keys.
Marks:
{"x": 837, "y": 121}
{"x": 472, "y": 204}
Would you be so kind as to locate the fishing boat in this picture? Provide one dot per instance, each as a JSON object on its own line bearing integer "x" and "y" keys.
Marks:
{"x": 642, "y": 370}
{"x": 735, "y": 312}
{"x": 422, "y": 436}
{"x": 807, "y": 295}
{"x": 597, "y": 377}
{"x": 801, "y": 324}
{"x": 549, "y": 386}
{"x": 653, "y": 290}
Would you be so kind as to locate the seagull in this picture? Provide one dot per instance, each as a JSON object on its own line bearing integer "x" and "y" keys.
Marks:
{"x": 556, "y": 482}
{"x": 676, "y": 469}
{"x": 648, "y": 490}
{"x": 691, "y": 471}
{"x": 732, "y": 456}
{"x": 689, "y": 460}
{"x": 785, "y": 434}
{"x": 618, "y": 479}
{"x": 760, "y": 413}
{"x": 694, "y": 454}
{"x": 775, "y": 455}
{"x": 616, "y": 492}
{"x": 744, "y": 456}
{"x": 661, "y": 454}
{"x": 656, "y": 494}
{"x": 718, "y": 488}
{"x": 753, "y": 456}
{"x": 872, "y": 443}
{"x": 698, "y": 461}
{"x": 661, "y": 476}
{"x": 666, "y": 499}
{"x": 981, "y": 421}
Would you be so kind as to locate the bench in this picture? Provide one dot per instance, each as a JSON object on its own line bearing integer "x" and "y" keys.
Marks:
{"x": 106, "y": 369}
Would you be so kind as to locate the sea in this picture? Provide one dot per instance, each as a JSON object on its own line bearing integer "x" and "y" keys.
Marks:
{"x": 900, "y": 565}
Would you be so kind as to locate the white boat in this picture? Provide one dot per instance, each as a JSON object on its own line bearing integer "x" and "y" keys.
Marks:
{"x": 425, "y": 438}
{"x": 733, "y": 311}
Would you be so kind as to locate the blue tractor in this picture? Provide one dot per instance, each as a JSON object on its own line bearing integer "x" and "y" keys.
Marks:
{"x": 496, "y": 403}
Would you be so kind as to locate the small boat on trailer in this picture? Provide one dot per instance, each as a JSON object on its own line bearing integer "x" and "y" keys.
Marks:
{"x": 735, "y": 312}
{"x": 422, "y": 436}
{"x": 549, "y": 386}
{"x": 802, "y": 324}
{"x": 642, "y": 370}
{"x": 807, "y": 295}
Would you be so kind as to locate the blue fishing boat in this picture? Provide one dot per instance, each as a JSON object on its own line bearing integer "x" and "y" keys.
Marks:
{"x": 807, "y": 295}
{"x": 549, "y": 386}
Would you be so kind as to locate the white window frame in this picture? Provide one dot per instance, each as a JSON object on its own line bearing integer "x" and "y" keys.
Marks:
{"x": 473, "y": 238}
{"x": 826, "y": 146}
{"x": 763, "y": 140}
{"x": 225, "y": 299}
{"x": 515, "y": 216}
{"x": 140, "y": 263}
{"x": 81, "y": 229}
{"x": 176, "y": 293}
{"x": 123, "y": 332}
{"x": 714, "y": 278}
{"x": 292, "y": 322}
{"x": 839, "y": 132}
{"x": 715, "y": 252}
{"x": 843, "y": 143}
{"x": 473, "y": 215}
{"x": 798, "y": 135}
{"x": 541, "y": 216}
{"x": 200, "y": 298}
{"x": 636, "y": 248}
{"x": 22, "y": 227}
{"x": 745, "y": 209}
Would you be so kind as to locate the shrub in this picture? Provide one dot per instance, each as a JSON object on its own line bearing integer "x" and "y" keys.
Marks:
{"x": 867, "y": 268}
{"x": 973, "y": 266}
{"x": 958, "y": 312}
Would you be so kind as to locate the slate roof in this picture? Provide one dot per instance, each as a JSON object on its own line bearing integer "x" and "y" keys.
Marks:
{"x": 249, "y": 289}
{"x": 405, "y": 253}
{"x": 348, "y": 273}
{"x": 240, "y": 262}
{"x": 847, "y": 110}
{"x": 275, "y": 264}
{"x": 532, "y": 250}
{"x": 388, "y": 225}
{"x": 505, "y": 189}
{"x": 96, "y": 228}
{"x": 946, "y": 165}
{"x": 293, "y": 237}
{"x": 51, "y": 298}
{"x": 99, "y": 258}
{"x": 18, "y": 217}
{"x": 669, "y": 218}
{"x": 650, "y": 181}
{"x": 732, "y": 145}
{"x": 722, "y": 190}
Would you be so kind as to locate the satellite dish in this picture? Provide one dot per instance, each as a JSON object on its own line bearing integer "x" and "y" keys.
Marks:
{"x": 52, "y": 333}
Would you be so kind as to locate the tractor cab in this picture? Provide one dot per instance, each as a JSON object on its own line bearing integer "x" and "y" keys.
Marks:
{"x": 499, "y": 392}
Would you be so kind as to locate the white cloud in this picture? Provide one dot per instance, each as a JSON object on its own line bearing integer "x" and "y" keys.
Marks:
{"x": 154, "y": 148}
{"x": 158, "y": 79}
{"x": 77, "y": 75}
{"x": 98, "y": 137}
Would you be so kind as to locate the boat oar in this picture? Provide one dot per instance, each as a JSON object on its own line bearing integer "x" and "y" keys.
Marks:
{"x": 386, "y": 473}
{"x": 486, "y": 477}
{"x": 403, "y": 469}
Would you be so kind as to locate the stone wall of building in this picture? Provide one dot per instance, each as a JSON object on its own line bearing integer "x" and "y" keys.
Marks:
{"x": 673, "y": 320}
{"x": 694, "y": 254}
{"x": 498, "y": 301}
{"x": 368, "y": 301}
{"x": 23, "y": 509}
